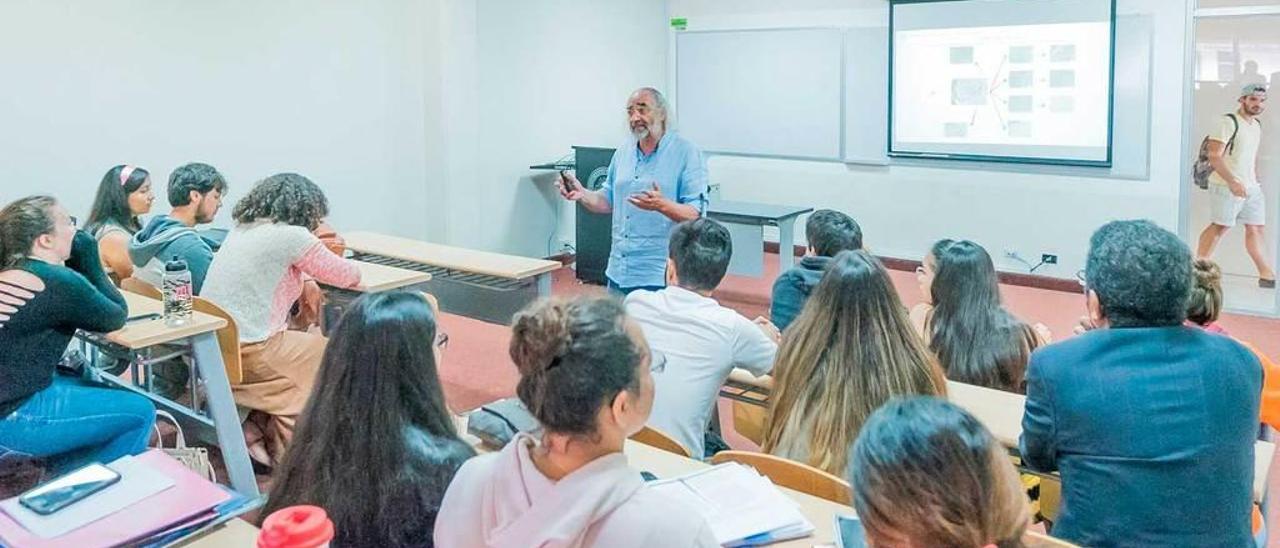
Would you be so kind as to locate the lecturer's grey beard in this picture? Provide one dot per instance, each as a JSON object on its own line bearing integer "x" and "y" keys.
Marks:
{"x": 640, "y": 133}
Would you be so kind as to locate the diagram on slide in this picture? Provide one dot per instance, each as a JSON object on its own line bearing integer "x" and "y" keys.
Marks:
{"x": 1017, "y": 85}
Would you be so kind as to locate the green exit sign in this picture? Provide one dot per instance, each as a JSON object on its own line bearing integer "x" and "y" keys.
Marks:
{"x": 679, "y": 23}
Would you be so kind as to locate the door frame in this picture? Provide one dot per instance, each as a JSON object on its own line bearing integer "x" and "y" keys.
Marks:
{"x": 1189, "y": 233}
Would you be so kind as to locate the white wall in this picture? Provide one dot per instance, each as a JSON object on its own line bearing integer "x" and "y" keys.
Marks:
{"x": 527, "y": 81}
{"x": 903, "y": 209}
{"x": 331, "y": 89}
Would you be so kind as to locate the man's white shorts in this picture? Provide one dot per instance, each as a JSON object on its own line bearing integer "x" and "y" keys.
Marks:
{"x": 1226, "y": 208}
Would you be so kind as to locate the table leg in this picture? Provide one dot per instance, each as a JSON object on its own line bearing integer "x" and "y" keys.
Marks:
{"x": 544, "y": 285}
{"x": 786, "y": 245}
{"x": 222, "y": 408}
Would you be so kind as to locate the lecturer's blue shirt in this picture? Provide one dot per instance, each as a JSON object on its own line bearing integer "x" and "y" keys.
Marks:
{"x": 639, "y": 253}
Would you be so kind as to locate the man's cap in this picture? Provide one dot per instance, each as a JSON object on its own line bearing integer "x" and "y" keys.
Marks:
{"x": 1250, "y": 89}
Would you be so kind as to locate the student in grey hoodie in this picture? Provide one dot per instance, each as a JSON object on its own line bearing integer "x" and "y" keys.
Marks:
{"x": 829, "y": 232}
{"x": 195, "y": 192}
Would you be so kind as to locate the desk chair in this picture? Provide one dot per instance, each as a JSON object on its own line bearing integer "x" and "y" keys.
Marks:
{"x": 141, "y": 287}
{"x": 792, "y": 475}
{"x": 656, "y": 438}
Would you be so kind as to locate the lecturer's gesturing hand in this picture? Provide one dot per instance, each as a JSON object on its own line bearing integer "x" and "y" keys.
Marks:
{"x": 649, "y": 200}
{"x": 569, "y": 187}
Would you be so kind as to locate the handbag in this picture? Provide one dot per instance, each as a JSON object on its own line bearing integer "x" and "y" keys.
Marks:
{"x": 497, "y": 422}
{"x": 194, "y": 458}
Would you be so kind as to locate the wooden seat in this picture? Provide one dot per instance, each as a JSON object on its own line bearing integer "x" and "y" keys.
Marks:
{"x": 140, "y": 287}
{"x": 228, "y": 338}
{"x": 791, "y": 474}
{"x": 656, "y": 438}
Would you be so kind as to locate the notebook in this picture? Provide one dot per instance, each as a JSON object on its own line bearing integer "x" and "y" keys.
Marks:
{"x": 742, "y": 507}
{"x": 185, "y": 496}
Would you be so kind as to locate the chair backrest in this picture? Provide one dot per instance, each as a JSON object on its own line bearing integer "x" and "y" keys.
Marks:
{"x": 1032, "y": 539}
{"x": 656, "y": 438}
{"x": 228, "y": 338}
{"x": 791, "y": 474}
{"x": 141, "y": 287}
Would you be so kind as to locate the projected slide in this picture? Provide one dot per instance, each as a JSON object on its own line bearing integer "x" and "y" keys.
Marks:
{"x": 1023, "y": 90}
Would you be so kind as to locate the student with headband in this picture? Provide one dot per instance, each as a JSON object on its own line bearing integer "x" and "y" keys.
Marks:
{"x": 123, "y": 195}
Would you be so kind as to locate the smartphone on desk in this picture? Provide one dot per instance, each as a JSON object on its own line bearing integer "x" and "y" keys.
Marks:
{"x": 69, "y": 489}
{"x": 849, "y": 532}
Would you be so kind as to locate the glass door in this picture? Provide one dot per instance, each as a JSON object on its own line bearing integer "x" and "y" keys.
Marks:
{"x": 1236, "y": 43}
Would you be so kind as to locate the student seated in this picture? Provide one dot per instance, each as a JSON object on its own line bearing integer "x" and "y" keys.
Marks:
{"x": 258, "y": 276}
{"x": 379, "y": 378}
{"x": 195, "y": 192}
{"x": 926, "y": 473}
{"x": 850, "y": 350}
{"x": 1151, "y": 423}
{"x": 585, "y": 375}
{"x": 964, "y": 323}
{"x": 829, "y": 232}
{"x": 123, "y": 195}
{"x": 51, "y": 284}
{"x": 1203, "y": 310}
{"x": 700, "y": 340}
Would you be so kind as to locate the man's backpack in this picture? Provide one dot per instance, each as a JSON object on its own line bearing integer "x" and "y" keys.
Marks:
{"x": 1202, "y": 169}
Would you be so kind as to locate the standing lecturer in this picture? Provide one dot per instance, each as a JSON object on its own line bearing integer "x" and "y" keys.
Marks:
{"x": 655, "y": 180}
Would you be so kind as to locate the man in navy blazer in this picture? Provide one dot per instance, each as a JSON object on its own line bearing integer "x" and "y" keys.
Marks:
{"x": 1151, "y": 424}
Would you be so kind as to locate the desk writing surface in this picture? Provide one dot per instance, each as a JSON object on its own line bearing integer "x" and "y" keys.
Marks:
{"x": 376, "y": 278}
{"x": 143, "y": 334}
{"x": 237, "y": 533}
{"x": 820, "y": 512}
{"x": 1001, "y": 412}
{"x": 754, "y": 210}
{"x": 453, "y": 258}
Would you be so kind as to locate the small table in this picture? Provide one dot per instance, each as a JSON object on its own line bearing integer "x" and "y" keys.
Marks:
{"x": 198, "y": 339}
{"x": 746, "y": 222}
{"x": 477, "y": 284}
{"x": 374, "y": 278}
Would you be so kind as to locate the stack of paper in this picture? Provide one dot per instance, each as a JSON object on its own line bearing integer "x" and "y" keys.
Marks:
{"x": 155, "y": 497}
{"x": 743, "y": 507}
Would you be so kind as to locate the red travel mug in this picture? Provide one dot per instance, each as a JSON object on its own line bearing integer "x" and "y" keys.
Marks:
{"x": 296, "y": 527}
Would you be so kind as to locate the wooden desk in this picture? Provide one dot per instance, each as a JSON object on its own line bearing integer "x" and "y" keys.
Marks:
{"x": 746, "y": 222}
{"x": 820, "y": 512}
{"x": 145, "y": 334}
{"x": 237, "y": 533}
{"x": 453, "y": 258}
{"x": 476, "y": 284}
{"x": 198, "y": 339}
{"x": 376, "y": 278}
{"x": 1001, "y": 412}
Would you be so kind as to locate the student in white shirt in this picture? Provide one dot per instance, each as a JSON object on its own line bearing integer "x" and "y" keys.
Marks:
{"x": 700, "y": 340}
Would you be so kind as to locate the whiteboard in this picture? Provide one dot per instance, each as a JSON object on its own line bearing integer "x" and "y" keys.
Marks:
{"x": 762, "y": 92}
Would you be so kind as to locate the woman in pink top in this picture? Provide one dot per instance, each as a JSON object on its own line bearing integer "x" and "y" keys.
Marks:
{"x": 256, "y": 277}
{"x": 585, "y": 375}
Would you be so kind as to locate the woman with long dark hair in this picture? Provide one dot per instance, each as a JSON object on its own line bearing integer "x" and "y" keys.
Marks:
{"x": 964, "y": 322}
{"x": 376, "y": 446}
{"x": 123, "y": 195}
{"x": 849, "y": 351}
{"x": 51, "y": 284}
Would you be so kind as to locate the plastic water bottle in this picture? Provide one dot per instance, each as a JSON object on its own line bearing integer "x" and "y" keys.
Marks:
{"x": 177, "y": 290}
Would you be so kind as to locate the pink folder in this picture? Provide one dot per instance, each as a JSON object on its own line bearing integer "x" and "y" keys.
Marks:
{"x": 191, "y": 495}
